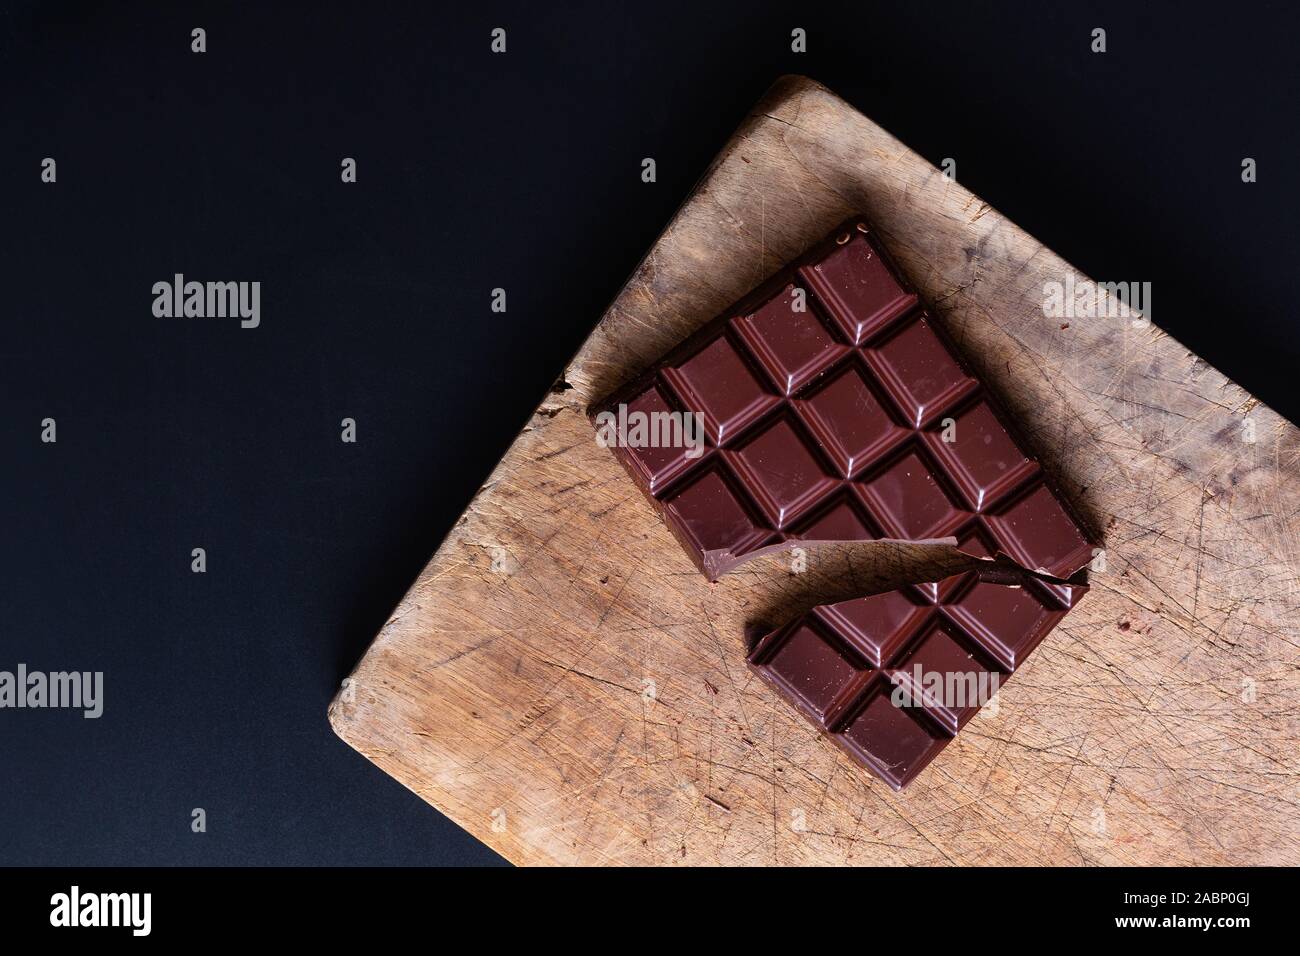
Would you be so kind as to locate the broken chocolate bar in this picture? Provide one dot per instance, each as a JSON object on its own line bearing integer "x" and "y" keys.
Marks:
{"x": 828, "y": 405}
{"x": 892, "y": 678}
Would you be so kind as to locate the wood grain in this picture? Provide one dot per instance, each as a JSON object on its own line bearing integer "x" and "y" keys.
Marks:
{"x": 566, "y": 686}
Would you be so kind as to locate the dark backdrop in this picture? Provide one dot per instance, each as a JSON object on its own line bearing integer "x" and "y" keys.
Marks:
{"x": 475, "y": 171}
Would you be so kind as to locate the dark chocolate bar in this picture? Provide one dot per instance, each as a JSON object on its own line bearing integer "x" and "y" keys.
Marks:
{"x": 892, "y": 678}
{"x": 832, "y": 407}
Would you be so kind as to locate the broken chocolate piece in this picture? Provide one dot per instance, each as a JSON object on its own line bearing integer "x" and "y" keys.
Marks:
{"x": 892, "y": 678}
{"x": 830, "y": 406}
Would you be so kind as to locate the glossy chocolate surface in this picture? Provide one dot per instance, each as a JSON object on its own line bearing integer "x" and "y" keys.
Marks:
{"x": 834, "y": 408}
{"x": 847, "y": 666}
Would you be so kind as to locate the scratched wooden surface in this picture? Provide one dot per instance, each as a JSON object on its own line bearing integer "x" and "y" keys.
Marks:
{"x": 562, "y": 682}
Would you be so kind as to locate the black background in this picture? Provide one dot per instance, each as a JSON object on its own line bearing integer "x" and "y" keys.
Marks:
{"x": 475, "y": 171}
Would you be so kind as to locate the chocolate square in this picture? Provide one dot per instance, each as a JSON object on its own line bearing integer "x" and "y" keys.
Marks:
{"x": 836, "y": 409}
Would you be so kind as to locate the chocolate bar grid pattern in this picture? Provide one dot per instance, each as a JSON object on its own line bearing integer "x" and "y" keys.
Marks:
{"x": 827, "y": 425}
{"x": 839, "y": 664}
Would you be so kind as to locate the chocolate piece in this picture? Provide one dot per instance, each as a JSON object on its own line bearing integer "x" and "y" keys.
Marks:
{"x": 834, "y": 408}
{"x": 891, "y": 678}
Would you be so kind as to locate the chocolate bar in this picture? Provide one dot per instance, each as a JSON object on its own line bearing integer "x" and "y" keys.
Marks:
{"x": 892, "y": 678}
{"x": 829, "y": 405}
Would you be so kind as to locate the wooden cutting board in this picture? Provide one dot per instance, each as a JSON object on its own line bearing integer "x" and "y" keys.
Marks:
{"x": 562, "y": 683}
